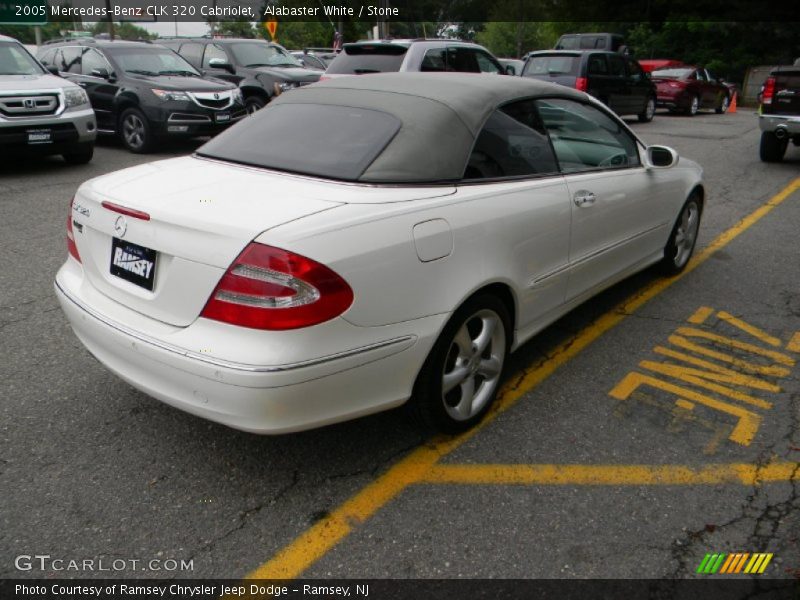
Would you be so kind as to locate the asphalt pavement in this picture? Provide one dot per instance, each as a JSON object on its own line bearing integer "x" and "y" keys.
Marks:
{"x": 605, "y": 461}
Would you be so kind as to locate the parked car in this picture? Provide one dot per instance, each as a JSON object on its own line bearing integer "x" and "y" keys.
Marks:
{"x": 512, "y": 66}
{"x": 315, "y": 58}
{"x": 279, "y": 287}
{"x": 385, "y": 56}
{"x": 688, "y": 89}
{"x": 779, "y": 113}
{"x": 650, "y": 65}
{"x": 261, "y": 69}
{"x": 616, "y": 80}
{"x": 309, "y": 60}
{"x": 41, "y": 113}
{"x": 143, "y": 92}
{"x": 612, "y": 42}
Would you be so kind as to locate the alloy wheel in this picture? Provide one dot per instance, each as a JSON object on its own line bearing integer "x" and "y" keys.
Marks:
{"x": 134, "y": 131}
{"x": 686, "y": 233}
{"x": 473, "y": 365}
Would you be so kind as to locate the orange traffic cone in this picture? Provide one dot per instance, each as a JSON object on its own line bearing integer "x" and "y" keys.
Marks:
{"x": 732, "y": 107}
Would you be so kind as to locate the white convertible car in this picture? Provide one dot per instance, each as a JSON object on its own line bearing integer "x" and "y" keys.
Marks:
{"x": 367, "y": 242}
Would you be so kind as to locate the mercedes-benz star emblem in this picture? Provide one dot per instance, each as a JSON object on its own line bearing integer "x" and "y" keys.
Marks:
{"x": 120, "y": 226}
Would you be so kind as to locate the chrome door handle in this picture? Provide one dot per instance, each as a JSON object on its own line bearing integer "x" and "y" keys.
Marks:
{"x": 584, "y": 198}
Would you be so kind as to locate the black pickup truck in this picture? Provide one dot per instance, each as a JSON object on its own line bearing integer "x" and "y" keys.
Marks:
{"x": 779, "y": 114}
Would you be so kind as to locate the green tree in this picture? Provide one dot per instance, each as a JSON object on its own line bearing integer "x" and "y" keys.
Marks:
{"x": 124, "y": 31}
{"x": 510, "y": 39}
{"x": 238, "y": 29}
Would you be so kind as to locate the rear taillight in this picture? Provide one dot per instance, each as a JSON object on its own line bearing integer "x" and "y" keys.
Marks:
{"x": 270, "y": 288}
{"x": 325, "y": 78}
{"x": 769, "y": 90}
{"x": 581, "y": 84}
{"x": 71, "y": 247}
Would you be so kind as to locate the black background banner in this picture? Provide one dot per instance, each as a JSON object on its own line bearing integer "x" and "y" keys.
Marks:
{"x": 434, "y": 10}
{"x": 707, "y": 588}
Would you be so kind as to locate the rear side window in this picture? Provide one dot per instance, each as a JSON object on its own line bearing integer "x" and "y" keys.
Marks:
{"x": 512, "y": 143}
{"x": 597, "y": 65}
{"x": 93, "y": 60}
{"x": 551, "y": 65}
{"x": 616, "y": 65}
{"x": 192, "y": 53}
{"x": 361, "y": 59}
{"x": 71, "y": 59}
{"x": 585, "y": 138}
{"x": 336, "y": 142}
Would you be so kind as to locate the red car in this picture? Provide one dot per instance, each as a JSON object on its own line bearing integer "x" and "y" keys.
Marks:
{"x": 651, "y": 64}
{"x": 688, "y": 89}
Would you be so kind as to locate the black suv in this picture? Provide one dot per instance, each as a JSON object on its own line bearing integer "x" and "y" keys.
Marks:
{"x": 616, "y": 80}
{"x": 143, "y": 92}
{"x": 260, "y": 69}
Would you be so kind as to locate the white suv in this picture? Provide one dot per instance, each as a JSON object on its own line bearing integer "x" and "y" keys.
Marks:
{"x": 41, "y": 113}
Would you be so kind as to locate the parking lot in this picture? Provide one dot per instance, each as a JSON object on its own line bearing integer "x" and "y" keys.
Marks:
{"x": 654, "y": 424}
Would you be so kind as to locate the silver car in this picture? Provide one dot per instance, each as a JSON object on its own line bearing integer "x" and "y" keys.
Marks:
{"x": 41, "y": 113}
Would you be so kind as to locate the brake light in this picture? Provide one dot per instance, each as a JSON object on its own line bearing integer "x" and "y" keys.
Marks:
{"x": 769, "y": 90}
{"x": 71, "y": 247}
{"x": 124, "y": 210}
{"x": 271, "y": 288}
{"x": 581, "y": 84}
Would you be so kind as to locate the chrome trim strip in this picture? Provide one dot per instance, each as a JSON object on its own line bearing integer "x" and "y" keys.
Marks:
{"x": 225, "y": 363}
{"x": 616, "y": 245}
{"x": 198, "y": 97}
{"x": 552, "y": 273}
{"x": 58, "y": 93}
{"x": 179, "y": 118}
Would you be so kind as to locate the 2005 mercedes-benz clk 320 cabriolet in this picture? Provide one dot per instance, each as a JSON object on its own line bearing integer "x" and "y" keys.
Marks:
{"x": 365, "y": 242}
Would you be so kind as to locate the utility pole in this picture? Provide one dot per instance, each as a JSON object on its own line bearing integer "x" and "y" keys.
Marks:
{"x": 110, "y": 20}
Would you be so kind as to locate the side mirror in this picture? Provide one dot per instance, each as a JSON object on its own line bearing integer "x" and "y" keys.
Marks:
{"x": 102, "y": 73}
{"x": 510, "y": 70}
{"x": 220, "y": 63}
{"x": 53, "y": 70}
{"x": 661, "y": 157}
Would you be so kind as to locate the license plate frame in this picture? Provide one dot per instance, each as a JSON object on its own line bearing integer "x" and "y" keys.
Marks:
{"x": 133, "y": 263}
{"x": 222, "y": 117}
{"x": 39, "y": 136}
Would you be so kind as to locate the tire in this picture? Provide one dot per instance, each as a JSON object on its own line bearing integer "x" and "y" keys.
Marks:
{"x": 772, "y": 149}
{"x": 254, "y": 104}
{"x": 456, "y": 360}
{"x": 80, "y": 154}
{"x": 694, "y": 106}
{"x": 682, "y": 239}
{"x": 649, "y": 111}
{"x": 135, "y": 131}
{"x": 723, "y": 105}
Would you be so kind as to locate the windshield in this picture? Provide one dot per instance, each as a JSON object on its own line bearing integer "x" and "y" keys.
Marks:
{"x": 256, "y": 54}
{"x": 674, "y": 73}
{"x": 15, "y": 60}
{"x": 152, "y": 61}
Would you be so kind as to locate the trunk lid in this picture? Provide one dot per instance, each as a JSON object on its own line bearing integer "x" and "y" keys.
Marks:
{"x": 202, "y": 214}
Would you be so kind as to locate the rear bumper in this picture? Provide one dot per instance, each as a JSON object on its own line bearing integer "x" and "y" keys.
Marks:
{"x": 771, "y": 123}
{"x": 272, "y": 398}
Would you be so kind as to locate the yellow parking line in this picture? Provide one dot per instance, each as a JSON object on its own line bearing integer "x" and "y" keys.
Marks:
{"x": 315, "y": 542}
{"x": 737, "y": 473}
